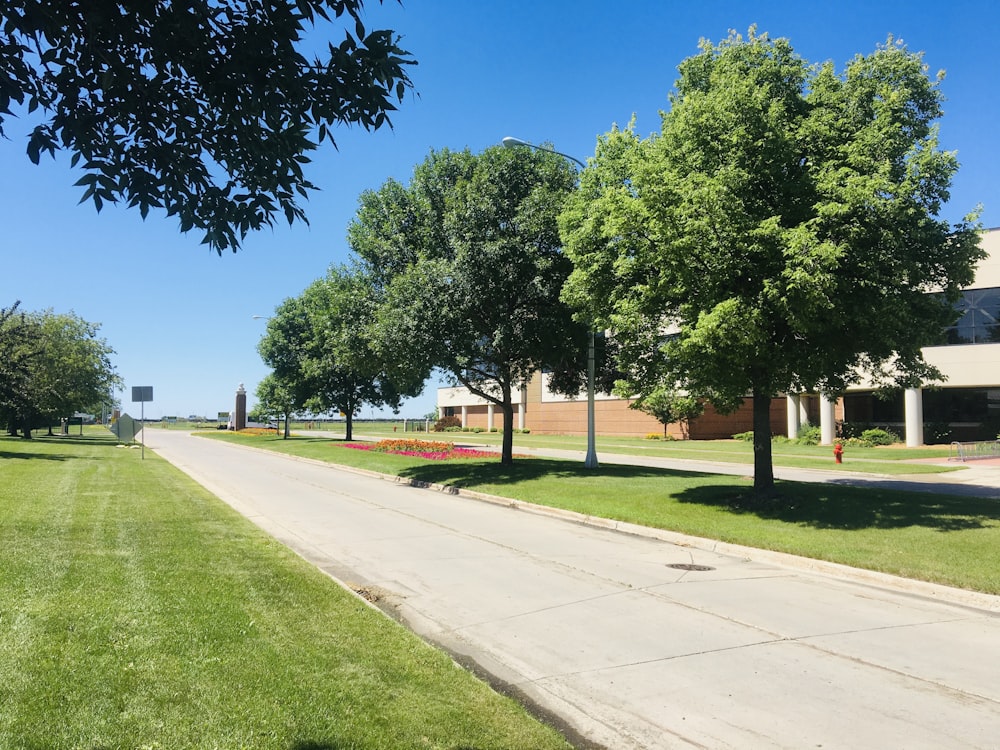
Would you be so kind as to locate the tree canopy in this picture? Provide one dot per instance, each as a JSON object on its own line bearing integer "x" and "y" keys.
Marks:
{"x": 320, "y": 348}
{"x": 205, "y": 109}
{"x": 782, "y": 232}
{"x": 54, "y": 364}
{"x": 468, "y": 266}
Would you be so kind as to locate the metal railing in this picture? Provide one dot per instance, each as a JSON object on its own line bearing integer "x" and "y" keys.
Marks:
{"x": 973, "y": 450}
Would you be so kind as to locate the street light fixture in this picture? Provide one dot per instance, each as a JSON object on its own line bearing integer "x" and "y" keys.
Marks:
{"x": 590, "y": 461}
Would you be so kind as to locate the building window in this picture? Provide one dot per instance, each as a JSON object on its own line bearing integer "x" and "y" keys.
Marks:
{"x": 980, "y": 318}
{"x": 449, "y": 411}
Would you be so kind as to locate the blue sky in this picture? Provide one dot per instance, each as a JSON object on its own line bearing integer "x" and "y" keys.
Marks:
{"x": 180, "y": 317}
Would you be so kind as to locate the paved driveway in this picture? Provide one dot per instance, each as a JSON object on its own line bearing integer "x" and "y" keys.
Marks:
{"x": 596, "y": 627}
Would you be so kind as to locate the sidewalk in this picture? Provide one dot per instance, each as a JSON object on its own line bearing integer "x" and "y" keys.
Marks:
{"x": 633, "y": 641}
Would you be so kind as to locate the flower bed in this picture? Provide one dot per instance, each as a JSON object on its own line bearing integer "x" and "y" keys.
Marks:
{"x": 258, "y": 431}
{"x": 432, "y": 450}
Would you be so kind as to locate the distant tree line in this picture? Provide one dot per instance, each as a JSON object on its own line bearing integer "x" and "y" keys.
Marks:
{"x": 52, "y": 365}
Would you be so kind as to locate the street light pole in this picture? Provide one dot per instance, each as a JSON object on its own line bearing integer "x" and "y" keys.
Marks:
{"x": 590, "y": 461}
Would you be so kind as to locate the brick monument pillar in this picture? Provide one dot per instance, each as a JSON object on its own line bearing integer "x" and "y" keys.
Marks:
{"x": 240, "y": 414}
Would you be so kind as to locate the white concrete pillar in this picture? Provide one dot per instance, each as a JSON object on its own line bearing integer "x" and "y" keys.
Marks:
{"x": 489, "y": 416}
{"x": 803, "y": 410}
{"x": 827, "y": 421}
{"x": 520, "y": 416}
{"x": 913, "y": 409}
{"x": 792, "y": 419}
{"x": 465, "y": 417}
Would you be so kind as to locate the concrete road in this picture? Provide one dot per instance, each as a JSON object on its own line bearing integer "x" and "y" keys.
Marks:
{"x": 747, "y": 650}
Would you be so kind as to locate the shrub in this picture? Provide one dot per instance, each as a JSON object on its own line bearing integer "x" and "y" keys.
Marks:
{"x": 937, "y": 432}
{"x": 445, "y": 423}
{"x": 878, "y": 436}
{"x": 853, "y": 429}
{"x": 653, "y": 436}
{"x": 746, "y": 437}
{"x": 809, "y": 436}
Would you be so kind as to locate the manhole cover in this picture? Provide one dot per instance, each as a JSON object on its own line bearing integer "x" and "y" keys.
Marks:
{"x": 689, "y": 566}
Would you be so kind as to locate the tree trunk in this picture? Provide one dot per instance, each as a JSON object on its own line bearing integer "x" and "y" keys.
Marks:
{"x": 507, "y": 451}
{"x": 763, "y": 470}
{"x": 287, "y": 415}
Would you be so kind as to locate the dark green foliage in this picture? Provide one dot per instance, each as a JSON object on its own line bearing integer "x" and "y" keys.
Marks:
{"x": 809, "y": 435}
{"x": 51, "y": 365}
{"x": 937, "y": 432}
{"x": 205, "y": 109}
{"x": 667, "y": 406}
{"x": 446, "y": 423}
{"x": 878, "y": 436}
{"x": 469, "y": 267}
{"x": 782, "y": 233}
{"x": 324, "y": 358}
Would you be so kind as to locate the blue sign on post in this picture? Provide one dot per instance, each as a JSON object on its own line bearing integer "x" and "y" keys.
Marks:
{"x": 142, "y": 393}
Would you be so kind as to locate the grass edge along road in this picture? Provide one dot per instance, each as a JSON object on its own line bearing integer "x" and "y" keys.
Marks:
{"x": 946, "y": 539}
{"x": 138, "y": 610}
{"x": 892, "y": 460}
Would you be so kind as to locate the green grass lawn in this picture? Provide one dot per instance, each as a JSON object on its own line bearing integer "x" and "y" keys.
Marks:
{"x": 139, "y": 611}
{"x": 880, "y": 460}
{"x": 931, "y": 537}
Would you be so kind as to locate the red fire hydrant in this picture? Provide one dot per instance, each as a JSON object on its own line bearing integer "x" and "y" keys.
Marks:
{"x": 838, "y": 453}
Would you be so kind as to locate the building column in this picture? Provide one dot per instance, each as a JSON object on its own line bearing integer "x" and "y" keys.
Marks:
{"x": 520, "y": 416}
{"x": 792, "y": 408}
{"x": 827, "y": 421}
{"x": 489, "y": 417}
{"x": 465, "y": 417}
{"x": 913, "y": 409}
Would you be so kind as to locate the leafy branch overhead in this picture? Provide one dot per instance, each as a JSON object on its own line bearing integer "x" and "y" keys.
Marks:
{"x": 206, "y": 109}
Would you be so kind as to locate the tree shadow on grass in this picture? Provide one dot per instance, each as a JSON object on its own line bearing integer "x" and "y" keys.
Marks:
{"x": 473, "y": 473}
{"x": 821, "y": 506}
{"x": 308, "y": 745}
{"x": 25, "y": 449}
{"x": 833, "y": 506}
{"x": 26, "y": 455}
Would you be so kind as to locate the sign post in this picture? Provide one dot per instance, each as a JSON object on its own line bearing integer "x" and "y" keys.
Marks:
{"x": 142, "y": 394}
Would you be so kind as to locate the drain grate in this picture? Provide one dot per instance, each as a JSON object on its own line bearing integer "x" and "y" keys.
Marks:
{"x": 689, "y": 566}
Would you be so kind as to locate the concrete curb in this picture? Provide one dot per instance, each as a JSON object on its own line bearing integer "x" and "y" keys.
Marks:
{"x": 935, "y": 591}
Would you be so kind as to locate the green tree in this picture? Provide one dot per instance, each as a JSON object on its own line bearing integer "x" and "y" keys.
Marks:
{"x": 205, "y": 108}
{"x": 274, "y": 400}
{"x": 667, "y": 406}
{"x": 782, "y": 233}
{"x": 67, "y": 368}
{"x": 19, "y": 342}
{"x": 468, "y": 268}
{"x": 320, "y": 348}
{"x": 285, "y": 349}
